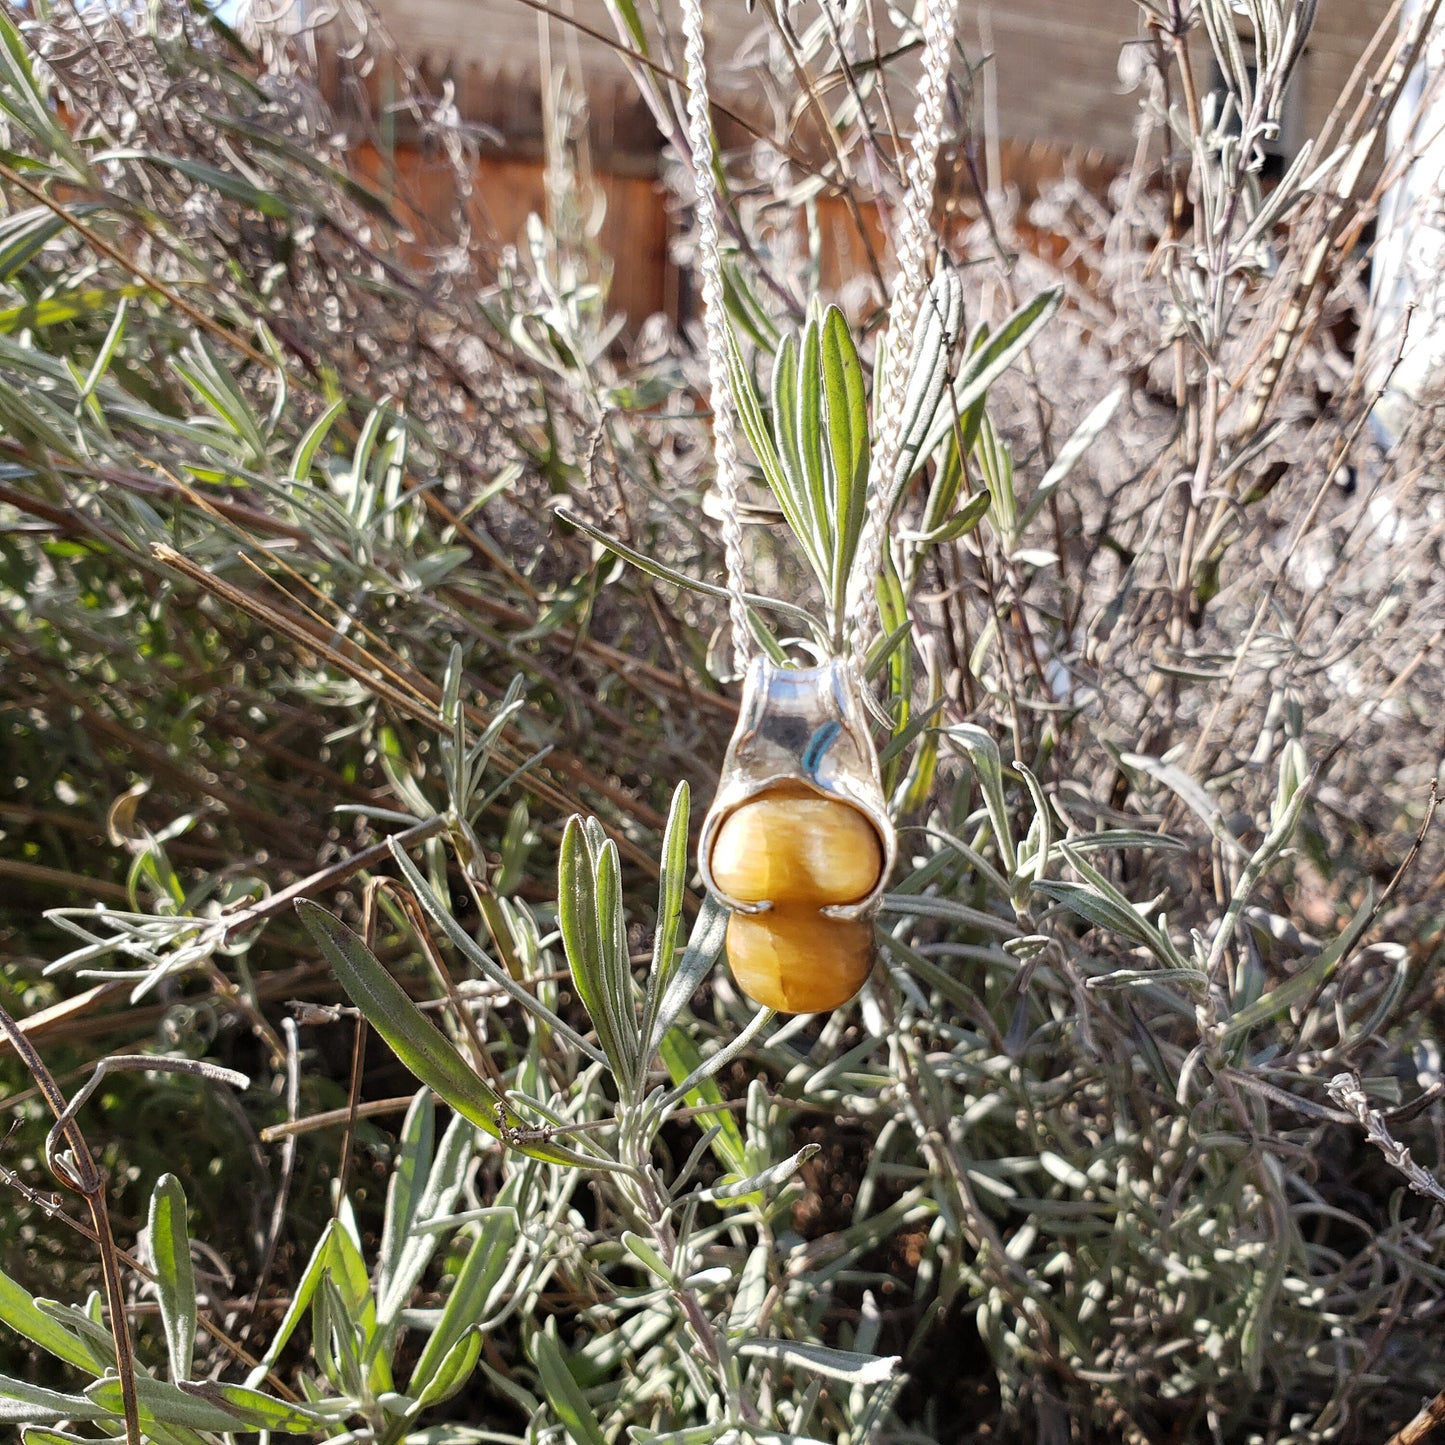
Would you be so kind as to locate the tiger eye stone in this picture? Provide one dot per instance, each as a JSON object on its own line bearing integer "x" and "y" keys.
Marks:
{"x": 796, "y": 960}
{"x": 789, "y": 845}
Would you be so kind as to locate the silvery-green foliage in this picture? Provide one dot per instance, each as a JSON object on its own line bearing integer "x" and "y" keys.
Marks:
{"x": 1098, "y": 1142}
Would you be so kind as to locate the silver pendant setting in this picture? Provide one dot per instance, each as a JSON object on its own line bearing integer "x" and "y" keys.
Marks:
{"x": 802, "y": 727}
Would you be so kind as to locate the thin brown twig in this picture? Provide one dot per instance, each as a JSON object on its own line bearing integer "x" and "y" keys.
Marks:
{"x": 1429, "y": 1418}
{"x": 330, "y": 1118}
{"x": 76, "y": 1169}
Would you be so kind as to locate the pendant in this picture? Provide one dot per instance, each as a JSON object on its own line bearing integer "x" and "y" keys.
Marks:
{"x": 798, "y": 842}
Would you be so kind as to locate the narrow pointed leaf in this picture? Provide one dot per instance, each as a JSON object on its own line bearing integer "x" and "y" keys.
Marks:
{"x": 175, "y": 1275}
{"x": 417, "y": 1043}
{"x": 163, "y": 1403}
{"x": 845, "y": 414}
{"x": 987, "y": 763}
{"x": 467, "y": 946}
{"x": 404, "y": 1192}
{"x": 208, "y": 1406}
{"x": 1081, "y": 439}
{"x": 437, "y": 1198}
{"x": 24, "y": 234}
{"x": 348, "y": 1284}
{"x": 71, "y": 304}
{"x": 947, "y": 483}
{"x": 581, "y": 926}
{"x": 27, "y": 102}
{"x": 751, "y": 1292}
{"x": 485, "y": 1264}
{"x": 259, "y": 1411}
{"x": 305, "y": 1291}
{"x": 671, "y": 890}
{"x": 645, "y": 1252}
{"x": 785, "y": 428}
{"x": 24, "y": 1403}
{"x": 316, "y": 434}
{"x": 454, "y": 1371}
{"x": 1102, "y": 912}
{"x": 701, "y": 953}
{"x": 682, "y": 1060}
{"x": 986, "y": 364}
{"x": 821, "y": 1360}
{"x": 788, "y": 475}
{"x": 626, "y": 10}
{"x": 20, "y": 1315}
{"x": 939, "y": 331}
{"x": 1157, "y": 940}
{"x": 822, "y": 503}
{"x": 664, "y": 573}
{"x": 225, "y": 183}
{"x": 1303, "y": 983}
{"x": 564, "y": 1395}
{"x": 767, "y": 1179}
{"x": 618, "y": 991}
{"x": 962, "y": 522}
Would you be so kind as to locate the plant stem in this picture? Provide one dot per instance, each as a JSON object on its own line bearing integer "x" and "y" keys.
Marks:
{"x": 1432, "y": 1415}
{"x": 81, "y": 1174}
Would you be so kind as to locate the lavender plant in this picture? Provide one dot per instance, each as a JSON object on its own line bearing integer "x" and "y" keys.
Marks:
{"x": 1119, "y": 1141}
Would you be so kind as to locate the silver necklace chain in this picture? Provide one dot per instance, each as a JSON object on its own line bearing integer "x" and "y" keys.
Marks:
{"x": 915, "y": 230}
{"x": 911, "y": 245}
{"x": 724, "y": 415}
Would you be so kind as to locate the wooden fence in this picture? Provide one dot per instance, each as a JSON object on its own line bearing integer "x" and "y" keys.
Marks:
{"x": 637, "y": 216}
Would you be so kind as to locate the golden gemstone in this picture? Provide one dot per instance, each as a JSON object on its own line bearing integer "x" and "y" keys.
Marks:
{"x": 797, "y": 960}
{"x": 790, "y": 845}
